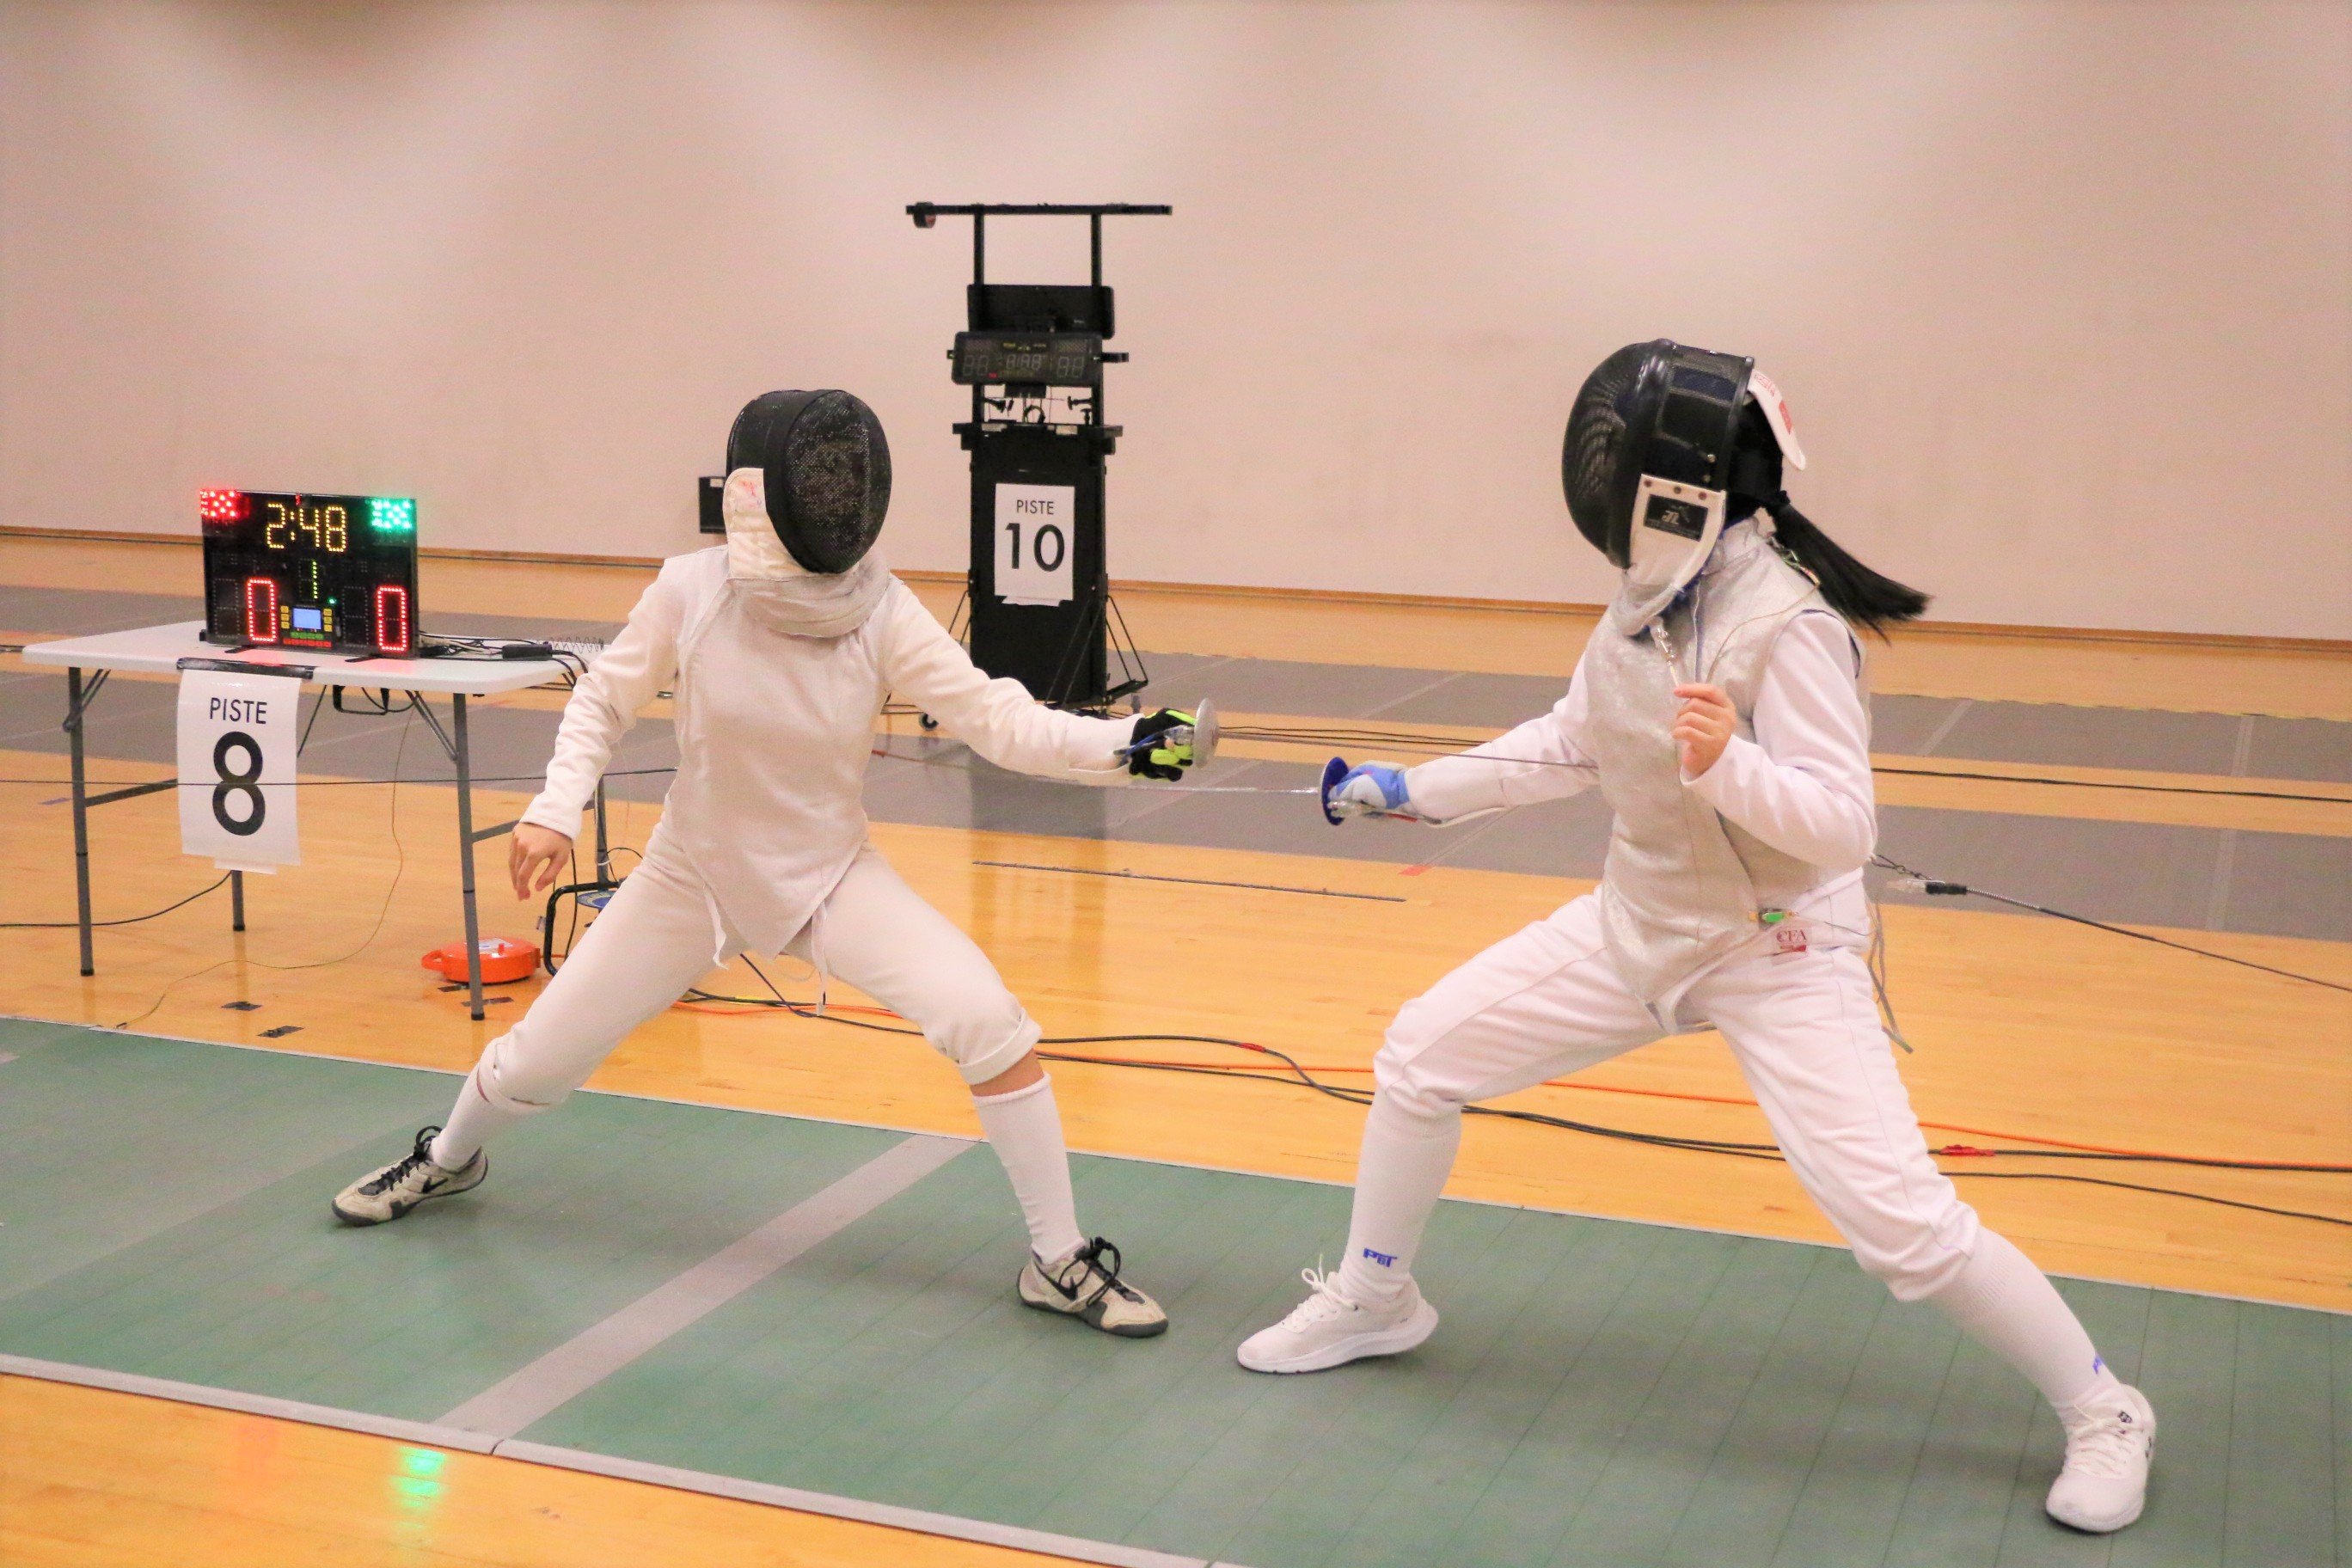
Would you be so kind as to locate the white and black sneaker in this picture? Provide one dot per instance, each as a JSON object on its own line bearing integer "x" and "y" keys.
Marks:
{"x": 400, "y": 1186}
{"x": 1086, "y": 1287}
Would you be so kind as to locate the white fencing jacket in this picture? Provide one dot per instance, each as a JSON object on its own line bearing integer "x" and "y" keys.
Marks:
{"x": 1802, "y": 784}
{"x": 774, "y": 732}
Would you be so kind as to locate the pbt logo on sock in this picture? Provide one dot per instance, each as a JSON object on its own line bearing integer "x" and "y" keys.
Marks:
{"x": 1385, "y": 1259}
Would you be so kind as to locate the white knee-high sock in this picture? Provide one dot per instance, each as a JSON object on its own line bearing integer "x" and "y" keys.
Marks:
{"x": 1402, "y": 1169}
{"x": 2009, "y": 1305}
{"x": 473, "y": 1121}
{"x": 1024, "y": 1127}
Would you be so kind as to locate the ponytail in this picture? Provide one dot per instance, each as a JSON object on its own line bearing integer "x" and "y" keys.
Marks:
{"x": 1862, "y": 596}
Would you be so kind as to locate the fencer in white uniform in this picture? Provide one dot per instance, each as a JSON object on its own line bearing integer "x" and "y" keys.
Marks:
{"x": 1720, "y": 706}
{"x": 778, "y": 672}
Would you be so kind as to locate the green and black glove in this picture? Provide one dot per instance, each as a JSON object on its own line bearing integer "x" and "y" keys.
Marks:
{"x": 1162, "y": 745}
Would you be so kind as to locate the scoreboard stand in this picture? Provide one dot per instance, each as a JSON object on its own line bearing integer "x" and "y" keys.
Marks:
{"x": 1039, "y": 592}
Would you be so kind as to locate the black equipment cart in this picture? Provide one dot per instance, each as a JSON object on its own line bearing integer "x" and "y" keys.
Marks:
{"x": 1033, "y": 355}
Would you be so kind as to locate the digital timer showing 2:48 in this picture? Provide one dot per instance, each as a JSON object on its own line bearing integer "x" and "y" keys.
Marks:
{"x": 326, "y": 526}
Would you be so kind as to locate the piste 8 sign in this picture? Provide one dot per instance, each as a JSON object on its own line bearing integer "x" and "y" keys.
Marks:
{"x": 330, "y": 573}
{"x": 238, "y": 741}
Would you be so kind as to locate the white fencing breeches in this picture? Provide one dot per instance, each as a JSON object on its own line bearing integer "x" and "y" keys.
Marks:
{"x": 1546, "y": 1001}
{"x": 652, "y": 941}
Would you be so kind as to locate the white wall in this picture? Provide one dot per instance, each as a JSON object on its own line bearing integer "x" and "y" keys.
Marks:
{"x": 2061, "y": 289}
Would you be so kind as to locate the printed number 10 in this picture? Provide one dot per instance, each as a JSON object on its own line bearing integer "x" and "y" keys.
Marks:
{"x": 1049, "y": 536}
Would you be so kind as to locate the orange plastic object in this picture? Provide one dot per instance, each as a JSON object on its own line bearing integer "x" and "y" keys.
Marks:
{"x": 503, "y": 959}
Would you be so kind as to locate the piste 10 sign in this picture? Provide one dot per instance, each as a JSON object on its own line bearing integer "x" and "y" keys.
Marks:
{"x": 337, "y": 574}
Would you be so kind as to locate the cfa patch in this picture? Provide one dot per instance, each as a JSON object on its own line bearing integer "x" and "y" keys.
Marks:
{"x": 1789, "y": 940}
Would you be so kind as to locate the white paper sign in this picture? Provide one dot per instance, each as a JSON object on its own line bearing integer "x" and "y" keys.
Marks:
{"x": 238, "y": 734}
{"x": 1036, "y": 525}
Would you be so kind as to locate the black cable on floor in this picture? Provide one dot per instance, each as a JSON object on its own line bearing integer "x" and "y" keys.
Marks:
{"x": 1301, "y": 1077}
{"x": 126, "y": 921}
{"x": 1935, "y": 887}
{"x": 2136, "y": 1187}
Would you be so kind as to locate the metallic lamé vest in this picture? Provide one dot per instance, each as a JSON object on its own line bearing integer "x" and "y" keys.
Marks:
{"x": 1683, "y": 887}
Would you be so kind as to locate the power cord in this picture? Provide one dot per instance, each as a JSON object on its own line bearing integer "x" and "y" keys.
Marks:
{"x": 494, "y": 650}
{"x": 125, "y": 921}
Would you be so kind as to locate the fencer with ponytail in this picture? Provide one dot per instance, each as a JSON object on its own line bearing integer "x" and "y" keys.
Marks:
{"x": 1863, "y": 596}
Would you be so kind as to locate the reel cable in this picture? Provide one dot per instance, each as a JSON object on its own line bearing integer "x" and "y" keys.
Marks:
{"x": 1296, "y": 1073}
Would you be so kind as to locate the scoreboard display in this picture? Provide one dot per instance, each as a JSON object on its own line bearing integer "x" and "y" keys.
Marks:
{"x": 1027, "y": 359}
{"x": 335, "y": 574}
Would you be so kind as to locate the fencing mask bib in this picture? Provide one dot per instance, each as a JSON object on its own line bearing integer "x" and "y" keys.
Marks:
{"x": 1652, "y": 459}
{"x": 827, "y": 470}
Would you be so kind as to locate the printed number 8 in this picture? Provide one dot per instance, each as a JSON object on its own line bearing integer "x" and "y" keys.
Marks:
{"x": 242, "y": 783}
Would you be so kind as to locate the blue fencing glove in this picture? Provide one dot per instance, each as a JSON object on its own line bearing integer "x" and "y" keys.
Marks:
{"x": 1368, "y": 789}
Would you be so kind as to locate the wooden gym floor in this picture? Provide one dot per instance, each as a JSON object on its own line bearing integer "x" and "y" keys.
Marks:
{"x": 2025, "y": 1028}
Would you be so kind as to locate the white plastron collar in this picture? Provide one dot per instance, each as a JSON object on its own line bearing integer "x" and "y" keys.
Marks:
{"x": 780, "y": 592}
{"x": 1638, "y": 604}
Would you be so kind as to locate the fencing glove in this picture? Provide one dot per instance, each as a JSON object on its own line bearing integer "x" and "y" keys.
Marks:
{"x": 1368, "y": 789}
{"x": 1153, "y": 753}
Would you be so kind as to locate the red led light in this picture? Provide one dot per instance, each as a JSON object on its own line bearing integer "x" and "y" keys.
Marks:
{"x": 223, "y": 505}
{"x": 260, "y": 609}
{"x": 391, "y": 618}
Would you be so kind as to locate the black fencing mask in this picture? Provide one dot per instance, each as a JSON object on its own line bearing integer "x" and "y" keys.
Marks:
{"x": 827, "y": 469}
{"x": 1666, "y": 446}
{"x": 1653, "y": 453}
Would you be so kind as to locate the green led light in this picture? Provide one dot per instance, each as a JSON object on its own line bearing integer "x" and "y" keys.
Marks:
{"x": 391, "y": 516}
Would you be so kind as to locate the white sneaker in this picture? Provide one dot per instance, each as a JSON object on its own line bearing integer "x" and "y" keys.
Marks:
{"x": 1083, "y": 1285}
{"x": 1326, "y": 1329}
{"x": 388, "y": 1194}
{"x": 2110, "y": 1442}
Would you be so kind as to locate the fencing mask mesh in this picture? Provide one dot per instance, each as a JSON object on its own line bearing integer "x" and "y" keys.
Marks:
{"x": 826, "y": 466}
{"x": 1594, "y": 455}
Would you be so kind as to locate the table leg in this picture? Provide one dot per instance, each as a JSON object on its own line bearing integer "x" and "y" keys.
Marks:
{"x": 464, "y": 761}
{"x": 81, "y": 816}
{"x": 603, "y": 844}
{"x": 236, "y": 900}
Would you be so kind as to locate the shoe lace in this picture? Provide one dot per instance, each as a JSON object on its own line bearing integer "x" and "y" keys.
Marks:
{"x": 1323, "y": 1299}
{"x": 1088, "y": 1261}
{"x": 2108, "y": 1444}
{"x": 394, "y": 1174}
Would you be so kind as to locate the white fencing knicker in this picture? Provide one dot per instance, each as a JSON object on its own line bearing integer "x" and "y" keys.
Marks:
{"x": 654, "y": 941}
{"x": 1803, "y": 1026}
